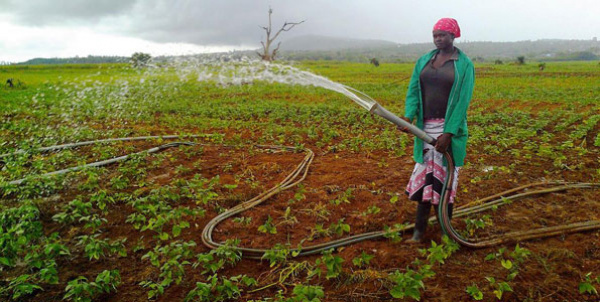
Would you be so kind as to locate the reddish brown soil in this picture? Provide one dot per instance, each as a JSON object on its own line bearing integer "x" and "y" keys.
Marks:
{"x": 551, "y": 273}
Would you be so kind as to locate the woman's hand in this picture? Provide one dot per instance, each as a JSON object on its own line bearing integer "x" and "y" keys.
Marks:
{"x": 404, "y": 129}
{"x": 443, "y": 142}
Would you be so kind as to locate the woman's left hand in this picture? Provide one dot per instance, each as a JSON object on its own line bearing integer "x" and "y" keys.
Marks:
{"x": 443, "y": 142}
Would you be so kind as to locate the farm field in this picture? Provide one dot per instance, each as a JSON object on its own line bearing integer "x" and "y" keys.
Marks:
{"x": 131, "y": 231}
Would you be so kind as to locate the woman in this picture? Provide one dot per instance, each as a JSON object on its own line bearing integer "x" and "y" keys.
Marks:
{"x": 438, "y": 96}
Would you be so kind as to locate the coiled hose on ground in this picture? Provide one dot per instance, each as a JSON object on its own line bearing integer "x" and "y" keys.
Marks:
{"x": 299, "y": 174}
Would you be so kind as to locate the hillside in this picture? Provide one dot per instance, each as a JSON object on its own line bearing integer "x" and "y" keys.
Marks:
{"x": 313, "y": 47}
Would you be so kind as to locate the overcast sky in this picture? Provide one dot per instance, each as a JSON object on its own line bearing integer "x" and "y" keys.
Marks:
{"x": 65, "y": 28}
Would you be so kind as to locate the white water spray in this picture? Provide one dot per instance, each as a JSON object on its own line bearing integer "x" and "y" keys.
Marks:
{"x": 244, "y": 71}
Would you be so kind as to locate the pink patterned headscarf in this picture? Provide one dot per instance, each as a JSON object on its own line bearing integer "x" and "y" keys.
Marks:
{"x": 448, "y": 24}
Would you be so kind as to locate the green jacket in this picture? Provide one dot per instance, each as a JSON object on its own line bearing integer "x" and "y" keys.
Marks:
{"x": 456, "y": 113}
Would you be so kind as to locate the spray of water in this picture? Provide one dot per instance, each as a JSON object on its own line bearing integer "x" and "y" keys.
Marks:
{"x": 244, "y": 71}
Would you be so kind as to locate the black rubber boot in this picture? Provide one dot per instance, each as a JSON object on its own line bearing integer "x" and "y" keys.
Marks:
{"x": 423, "y": 210}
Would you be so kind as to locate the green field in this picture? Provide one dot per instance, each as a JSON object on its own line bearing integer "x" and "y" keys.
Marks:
{"x": 131, "y": 231}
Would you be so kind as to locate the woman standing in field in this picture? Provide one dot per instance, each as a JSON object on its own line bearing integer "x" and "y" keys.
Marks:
{"x": 438, "y": 96}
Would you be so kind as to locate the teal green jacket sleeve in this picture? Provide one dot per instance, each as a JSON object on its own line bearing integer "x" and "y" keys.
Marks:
{"x": 458, "y": 113}
{"x": 412, "y": 95}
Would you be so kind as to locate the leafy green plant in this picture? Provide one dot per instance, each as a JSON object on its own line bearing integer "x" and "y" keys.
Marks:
{"x": 73, "y": 211}
{"x": 371, "y": 210}
{"x": 244, "y": 221}
{"x": 95, "y": 248}
{"x": 586, "y": 285}
{"x": 19, "y": 288}
{"x": 362, "y": 260}
{"x": 219, "y": 290}
{"x": 268, "y": 227}
{"x": 306, "y": 293}
{"x": 171, "y": 259}
{"x": 332, "y": 263}
{"x": 299, "y": 195}
{"x": 499, "y": 287}
{"x": 80, "y": 290}
{"x": 408, "y": 284}
{"x": 318, "y": 231}
{"x": 481, "y": 223}
{"x": 345, "y": 197}
{"x": 394, "y": 233}
{"x": 277, "y": 255}
{"x": 474, "y": 292}
{"x": 339, "y": 228}
{"x": 438, "y": 253}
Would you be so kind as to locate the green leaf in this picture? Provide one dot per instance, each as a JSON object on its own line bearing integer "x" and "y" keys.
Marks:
{"x": 498, "y": 294}
{"x": 507, "y": 264}
{"x": 397, "y": 292}
{"x": 164, "y": 236}
{"x": 474, "y": 292}
{"x": 176, "y": 230}
{"x": 5, "y": 261}
{"x": 585, "y": 287}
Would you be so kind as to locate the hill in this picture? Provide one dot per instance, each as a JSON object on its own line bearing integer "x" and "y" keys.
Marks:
{"x": 326, "y": 48}
{"x": 313, "y": 47}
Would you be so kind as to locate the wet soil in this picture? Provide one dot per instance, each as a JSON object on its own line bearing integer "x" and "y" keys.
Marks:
{"x": 552, "y": 272}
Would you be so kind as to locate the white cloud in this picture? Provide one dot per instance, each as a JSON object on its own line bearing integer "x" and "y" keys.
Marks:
{"x": 28, "y": 42}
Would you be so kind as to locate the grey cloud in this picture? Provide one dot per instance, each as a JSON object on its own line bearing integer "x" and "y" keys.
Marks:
{"x": 203, "y": 22}
{"x": 208, "y": 22}
{"x": 236, "y": 22}
{"x": 60, "y": 12}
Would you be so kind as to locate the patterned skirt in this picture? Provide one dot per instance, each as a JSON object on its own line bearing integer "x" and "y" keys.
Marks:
{"x": 427, "y": 179}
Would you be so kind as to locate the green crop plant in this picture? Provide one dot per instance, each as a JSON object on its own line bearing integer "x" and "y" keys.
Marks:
{"x": 224, "y": 289}
{"x": 363, "y": 260}
{"x": 101, "y": 199}
{"x": 243, "y": 221}
{"x": 268, "y": 227}
{"x": 333, "y": 264}
{"x": 95, "y": 248}
{"x": 92, "y": 222}
{"x": 277, "y": 255}
{"x": 19, "y": 288}
{"x": 81, "y": 290}
{"x": 73, "y": 211}
{"x": 344, "y": 197}
{"x": 394, "y": 233}
{"x": 499, "y": 288}
{"x": 339, "y": 227}
{"x": 307, "y": 293}
{"x": 318, "y": 231}
{"x": 474, "y": 224}
{"x": 586, "y": 285}
{"x": 474, "y": 292}
{"x": 299, "y": 195}
{"x": 371, "y": 210}
{"x": 171, "y": 260}
{"x": 410, "y": 283}
{"x": 319, "y": 210}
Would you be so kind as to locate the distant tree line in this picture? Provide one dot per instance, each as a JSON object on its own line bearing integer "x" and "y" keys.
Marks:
{"x": 541, "y": 50}
{"x": 76, "y": 60}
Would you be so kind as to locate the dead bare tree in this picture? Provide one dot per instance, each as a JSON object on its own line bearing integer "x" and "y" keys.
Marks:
{"x": 267, "y": 55}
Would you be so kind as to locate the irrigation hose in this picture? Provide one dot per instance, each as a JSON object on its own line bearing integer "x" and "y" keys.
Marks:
{"x": 299, "y": 173}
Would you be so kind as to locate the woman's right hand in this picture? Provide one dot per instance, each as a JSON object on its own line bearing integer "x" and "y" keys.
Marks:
{"x": 404, "y": 129}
